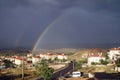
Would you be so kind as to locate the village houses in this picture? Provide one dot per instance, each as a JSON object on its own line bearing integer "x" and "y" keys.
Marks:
{"x": 53, "y": 56}
{"x": 31, "y": 60}
{"x": 95, "y": 57}
{"x": 114, "y": 53}
{"x": 48, "y": 56}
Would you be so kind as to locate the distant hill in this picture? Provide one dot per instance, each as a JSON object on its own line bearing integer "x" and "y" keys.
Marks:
{"x": 82, "y": 54}
{"x": 14, "y": 50}
{"x": 62, "y": 50}
{"x": 66, "y": 50}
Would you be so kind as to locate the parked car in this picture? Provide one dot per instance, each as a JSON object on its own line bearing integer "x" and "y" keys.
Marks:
{"x": 76, "y": 74}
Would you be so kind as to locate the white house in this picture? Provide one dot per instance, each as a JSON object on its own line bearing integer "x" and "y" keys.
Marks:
{"x": 48, "y": 56}
{"x": 114, "y": 53}
{"x": 62, "y": 56}
{"x": 35, "y": 59}
{"x": 95, "y": 57}
{"x": 29, "y": 55}
{"x": 42, "y": 55}
{"x": 19, "y": 61}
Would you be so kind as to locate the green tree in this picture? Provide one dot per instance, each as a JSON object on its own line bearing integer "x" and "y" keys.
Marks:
{"x": 117, "y": 62}
{"x": 56, "y": 59}
{"x": 63, "y": 60}
{"x": 50, "y": 61}
{"x": 103, "y": 62}
{"x": 106, "y": 56}
{"x": 8, "y": 63}
{"x": 93, "y": 63}
{"x": 44, "y": 70}
{"x": 78, "y": 64}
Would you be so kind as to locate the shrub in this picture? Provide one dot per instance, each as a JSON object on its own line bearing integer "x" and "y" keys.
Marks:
{"x": 103, "y": 62}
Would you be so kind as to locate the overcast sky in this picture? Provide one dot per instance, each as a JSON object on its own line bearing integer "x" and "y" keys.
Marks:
{"x": 72, "y": 23}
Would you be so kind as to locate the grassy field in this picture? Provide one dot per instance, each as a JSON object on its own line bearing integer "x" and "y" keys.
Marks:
{"x": 16, "y": 74}
{"x": 102, "y": 68}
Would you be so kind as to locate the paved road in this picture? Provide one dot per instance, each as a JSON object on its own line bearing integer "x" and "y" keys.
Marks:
{"x": 63, "y": 71}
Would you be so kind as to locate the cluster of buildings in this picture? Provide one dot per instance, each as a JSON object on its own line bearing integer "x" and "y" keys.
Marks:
{"x": 30, "y": 60}
{"x": 113, "y": 54}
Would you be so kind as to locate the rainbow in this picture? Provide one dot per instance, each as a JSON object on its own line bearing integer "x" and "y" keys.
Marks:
{"x": 45, "y": 32}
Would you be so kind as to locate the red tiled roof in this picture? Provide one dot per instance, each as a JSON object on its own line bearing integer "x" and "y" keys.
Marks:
{"x": 115, "y": 49}
{"x": 20, "y": 58}
{"x": 61, "y": 54}
{"x": 95, "y": 55}
{"x": 36, "y": 56}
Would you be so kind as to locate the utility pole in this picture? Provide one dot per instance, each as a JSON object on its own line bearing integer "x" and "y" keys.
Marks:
{"x": 73, "y": 64}
{"x": 22, "y": 70}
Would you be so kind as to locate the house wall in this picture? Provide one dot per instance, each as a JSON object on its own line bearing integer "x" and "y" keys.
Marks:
{"x": 112, "y": 53}
{"x": 35, "y": 60}
{"x": 18, "y": 61}
{"x": 95, "y": 59}
{"x": 62, "y": 57}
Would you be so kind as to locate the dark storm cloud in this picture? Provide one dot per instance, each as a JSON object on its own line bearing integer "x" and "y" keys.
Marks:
{"x": 13, "y": 3}
{"x": 22, "y": 21}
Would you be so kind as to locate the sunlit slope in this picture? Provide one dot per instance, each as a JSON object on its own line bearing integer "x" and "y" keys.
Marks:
{"x": 83, "y": 54}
